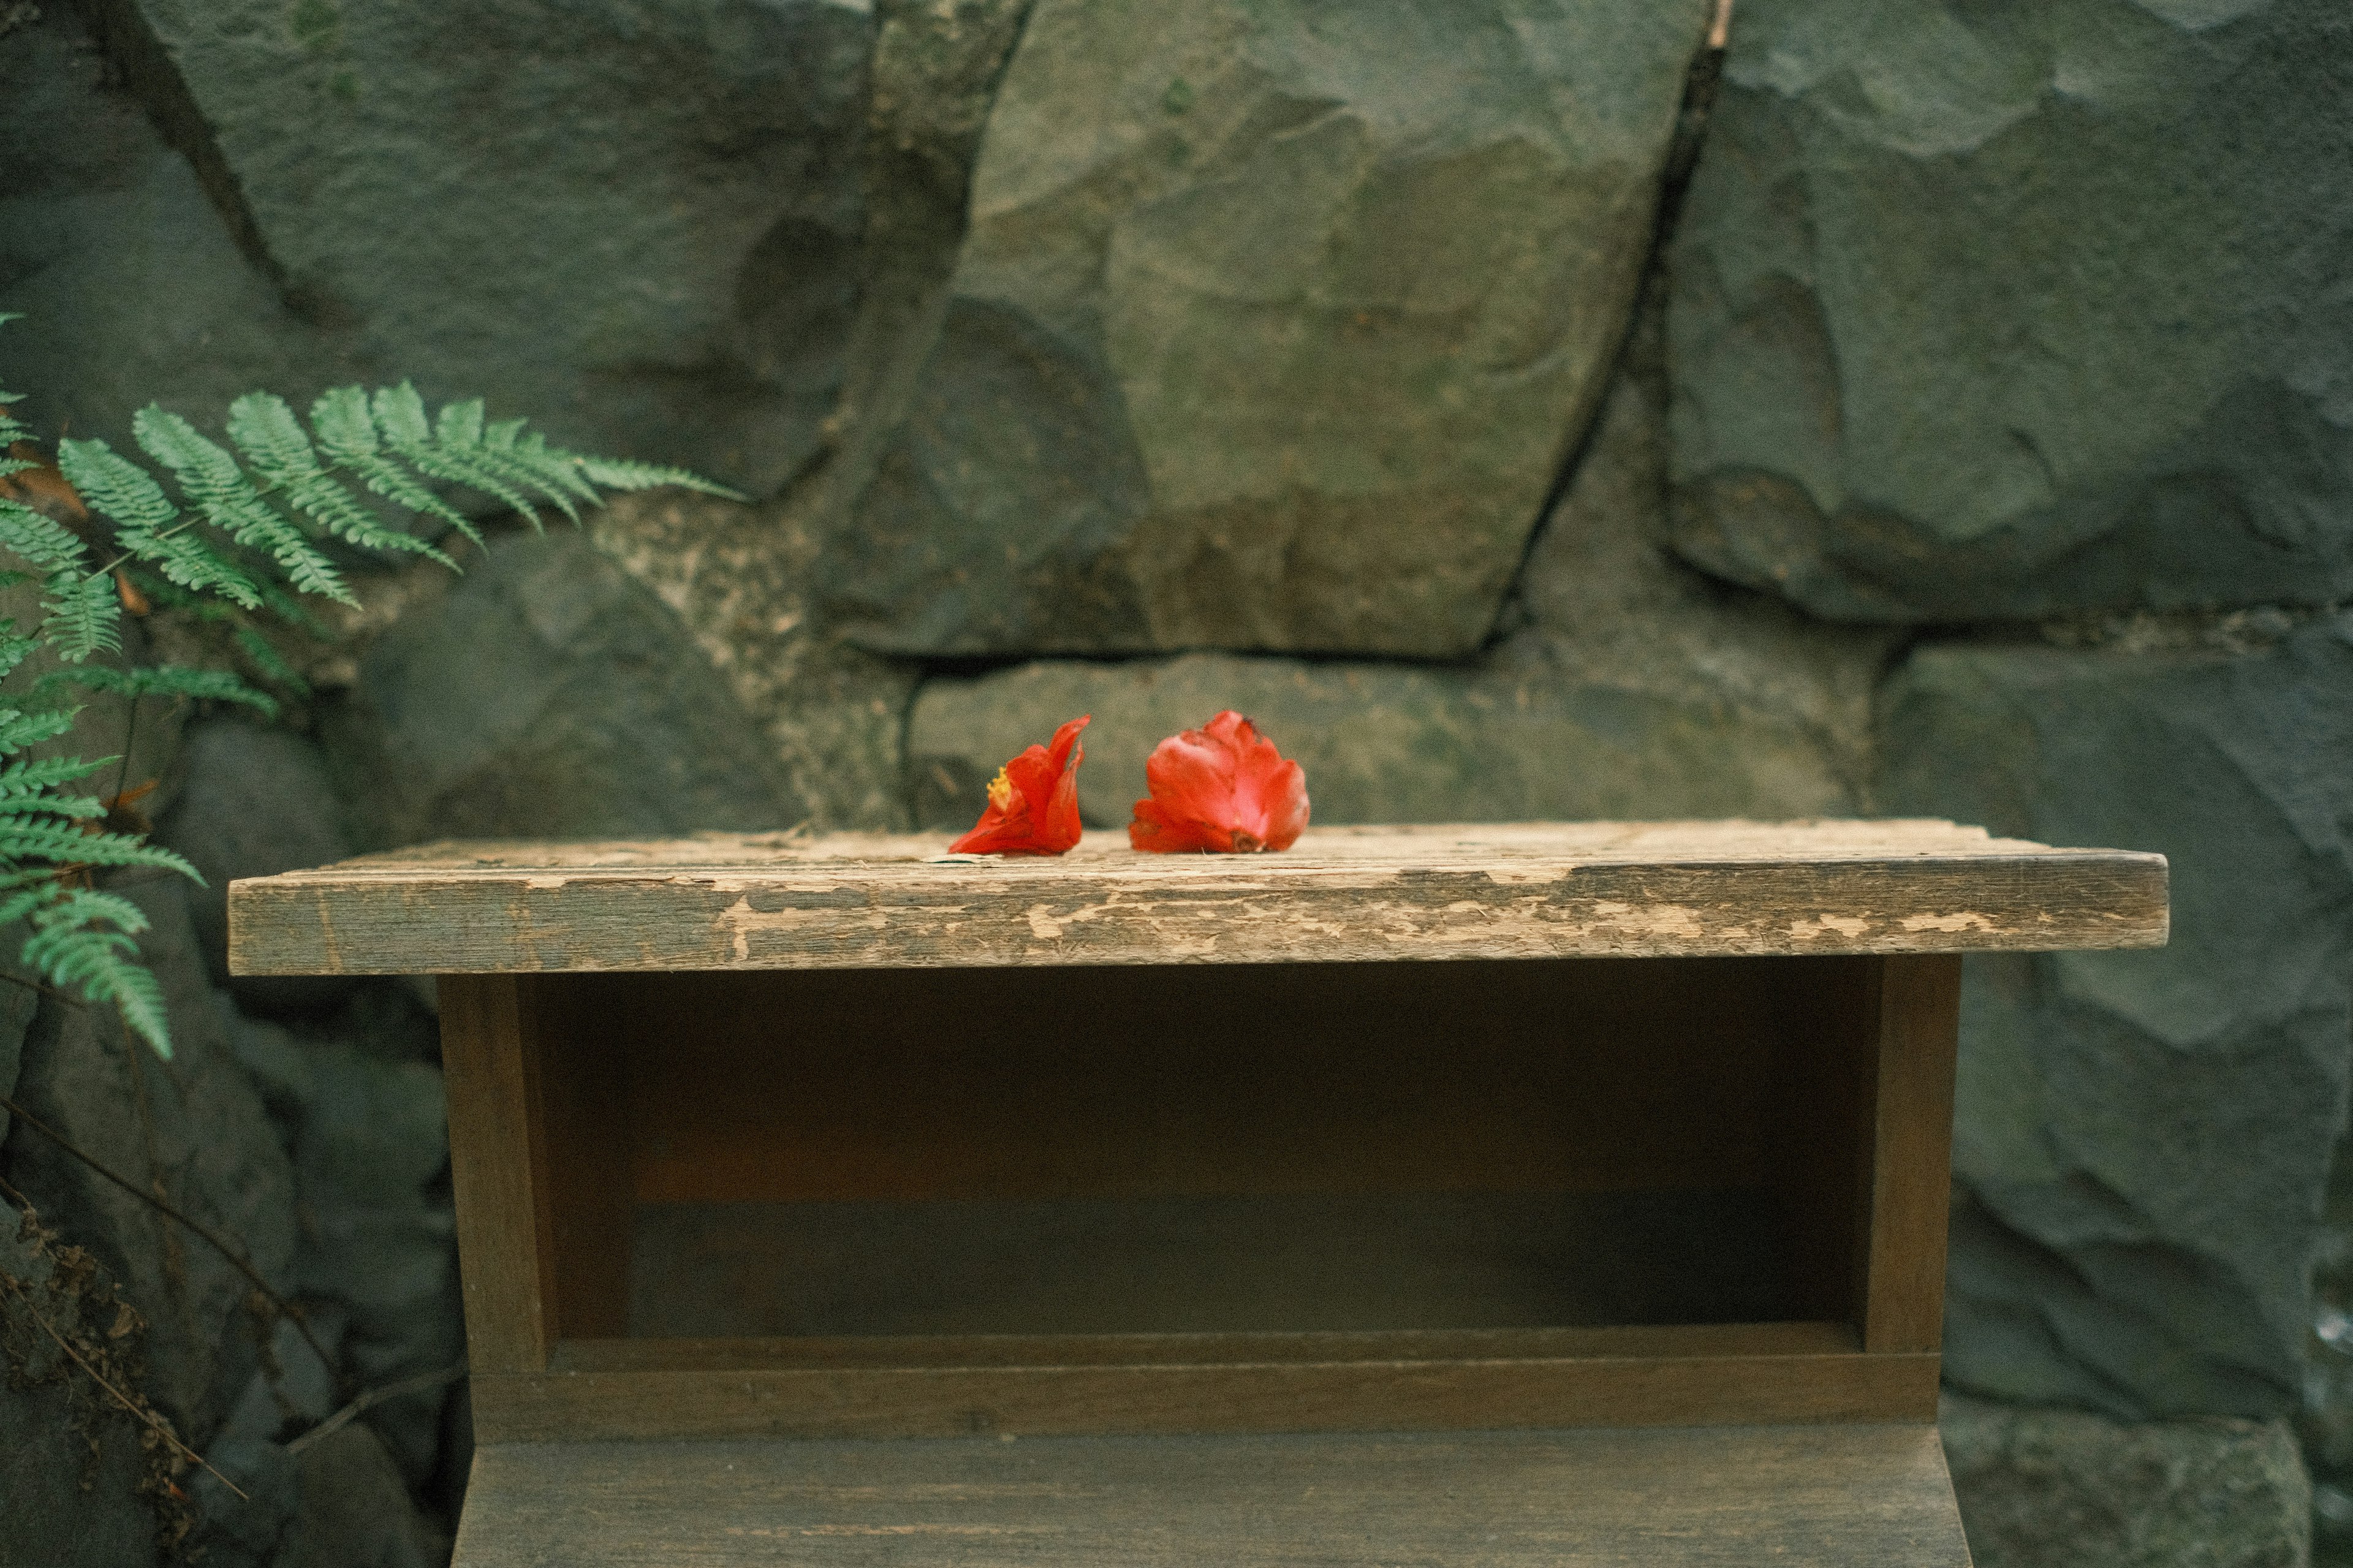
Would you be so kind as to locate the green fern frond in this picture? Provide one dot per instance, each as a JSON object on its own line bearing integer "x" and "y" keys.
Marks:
{"x": 30, "y": 840}
{"x": 14, "y": 650}
{"x": 68, "y": 807}
{"x": 147, "y": 525}
{"x": 84, "y": 616}
{"x": 512, "y": 440}
{"x": 73, "y": 945}
{"x": 272, "y": 441}
{"x": 400, "y": 415}
{"x": 39, "y": 539}
{"x": 20, "y": 728}
{"x": 494, "y": 448}
{"x": 28, "y": 778}
{"x": 617, "y": 474}
{"x": 158, "y": 681}
{"x": 212, "y": 478}
{"x": 347, "y": 432}
{"x": 277, "y": 492}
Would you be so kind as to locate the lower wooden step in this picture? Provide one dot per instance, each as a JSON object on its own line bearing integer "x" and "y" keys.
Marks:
{"x": 1848, "y": 1496}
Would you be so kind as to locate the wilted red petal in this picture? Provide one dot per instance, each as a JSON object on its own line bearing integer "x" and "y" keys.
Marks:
{"x": 1033, "y": 801}
{"x": 1221, "y": 788}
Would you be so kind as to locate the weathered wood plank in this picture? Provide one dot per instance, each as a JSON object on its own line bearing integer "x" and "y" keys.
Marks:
{"x": 1798, "y": 1497}
{"x": 1515, "y": 891}
{"x": 506, "y": 1234}
{"x": 1159, "y": 1396}
{"x": 1919, "y": 1024}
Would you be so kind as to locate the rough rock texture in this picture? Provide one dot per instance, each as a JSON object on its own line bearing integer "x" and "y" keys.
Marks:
{"x": 2143, "y": 1138}
{"x": 1380, "y": 742}
{"x": 361, "y": 1115}
{"x": 2058, "y": 1489}
{"x": 257, "y": 800}
{"x": 70, "y": 1460}
{"x": 194, "y": 1126}
{"x": 737, "y": 578}
{"x": 1270, "y": 327}
{"x": 1631, "y": 686}
{"x": 547, "y": 693}
{"x": 356, "y": 1512}
{"x": 131, "y": 286}
{"x": 634, "y": 220}
{"x": 2001, "y": 311}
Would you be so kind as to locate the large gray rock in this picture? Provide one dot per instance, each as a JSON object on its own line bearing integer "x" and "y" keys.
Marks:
{"x": 2040, "y": 1487}
{"x": 1606, "y": 596}
{"x": 1630, "y": 687}
{"x": 738, "y": 577}
{"x": 378, "y": 1249}
{"x": 637, "y": 222}
{"x": 547, "y": 694}
{"x": 254, "y": 800}
{"x": 355, "y": 1513}
{"x": 2143, "y": 1138}
{"x": 1997, "y": 312}
{"x": 132, "y": 289}
{"x": 71, "y": 1487}
{"x": 1270, "y": 327}
{"x": 1518, "y": 739}
{"x": 194, "y": 1128}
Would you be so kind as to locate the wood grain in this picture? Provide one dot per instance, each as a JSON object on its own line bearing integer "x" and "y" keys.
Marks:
{"x": 505, "y": 1237}
{"x": 1918, "y": 1027}
{"x": 1344, "y": 894}
{"x": 1354, "y": 1393}
{"x": 1855, "y": 1497}
{"x": 1547, "y": 1075}
{"x": 578, "y": 1074}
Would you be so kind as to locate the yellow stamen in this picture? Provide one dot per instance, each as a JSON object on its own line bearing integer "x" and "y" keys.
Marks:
{"x": 1000, "y": 792}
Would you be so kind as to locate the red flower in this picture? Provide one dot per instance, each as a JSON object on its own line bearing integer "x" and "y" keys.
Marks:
{"x": 1223, "y": 788}
{"x": 1033, "y": 801}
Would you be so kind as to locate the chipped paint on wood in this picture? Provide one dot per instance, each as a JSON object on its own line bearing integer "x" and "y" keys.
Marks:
{"x": 1347, "y": 894}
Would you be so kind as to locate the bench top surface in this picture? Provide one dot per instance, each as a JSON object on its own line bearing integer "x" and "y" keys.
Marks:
{"x": 1705, "y": 1498}
{"x": 1350, "y": 894}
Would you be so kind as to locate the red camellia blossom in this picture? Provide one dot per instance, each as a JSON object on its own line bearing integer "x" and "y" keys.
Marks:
{"x": 1222, "y": 788}
{"x": 1033, "y": 801}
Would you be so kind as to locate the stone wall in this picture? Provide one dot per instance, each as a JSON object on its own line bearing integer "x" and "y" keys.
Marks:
{"x": 1520, "y": 410}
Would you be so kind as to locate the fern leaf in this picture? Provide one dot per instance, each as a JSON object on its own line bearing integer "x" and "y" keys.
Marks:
{"x": 147, "y": 522}
{"x": 14, "y": 650}
{"x": 20, "y": 904}
{"x": 344, "y": 426}
{"x": 211, "y": 477}
{"x": 113, "y": 484}
{"x": 496, "y": 449}
{"x": 32, "y": 840}
{"x": 347, "y": 434}
{"x": 27, "y": 778}
{"x": 43, "y": 541}
{"x": 76, "y": 952}
{"x": 400, "y": 415}
{"x": 273, "y": 442}
{"x": 84, "y": 615}
{"x": 20, "y": 728}
{"x": 616, "y": 474}
{"x": 72, "y": 807}
{"x": 159, "y": 680}
{"x": 14, "y": 464}
{"x": 553, "y": 463}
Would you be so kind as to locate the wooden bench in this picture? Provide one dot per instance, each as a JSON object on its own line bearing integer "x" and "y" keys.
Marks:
{"x": 1501, "y": 1194}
